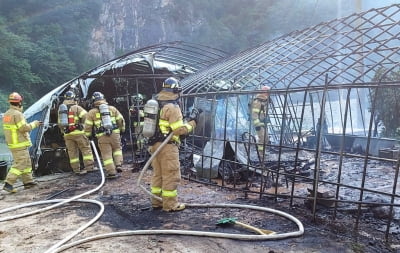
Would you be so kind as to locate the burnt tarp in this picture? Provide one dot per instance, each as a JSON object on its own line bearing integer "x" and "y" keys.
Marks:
{"x": 225, "y": 119}
{"x": 217, "y": 153}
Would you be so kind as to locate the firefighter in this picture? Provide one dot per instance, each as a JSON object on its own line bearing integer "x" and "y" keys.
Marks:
{"x": 259, "y": 110}
{"x": 71, "y": 121}
{"x": 166, "y": 165}
{"x": 16, "y": 132}
{"x": 137, "y": 115}
{"x": 108, "y": 124}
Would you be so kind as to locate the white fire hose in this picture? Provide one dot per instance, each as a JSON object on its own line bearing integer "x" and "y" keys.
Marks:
{"x": 61, "y": 246}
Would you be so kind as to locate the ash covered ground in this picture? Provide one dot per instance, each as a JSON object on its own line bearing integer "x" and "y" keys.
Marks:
{"x": 127, "y": 207}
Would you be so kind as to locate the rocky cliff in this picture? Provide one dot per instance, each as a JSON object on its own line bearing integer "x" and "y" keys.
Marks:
{"x": 125, "y": 25}
{"x": 229, "y": 25}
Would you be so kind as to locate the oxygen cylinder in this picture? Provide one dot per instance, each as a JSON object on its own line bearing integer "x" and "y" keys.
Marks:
{"x": 63, "y": 115}
{"x": 105, "y": 116}
{"x": 150, "y": 118}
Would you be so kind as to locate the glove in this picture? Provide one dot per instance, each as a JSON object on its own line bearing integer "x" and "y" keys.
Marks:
{"x": 194, "y": 115}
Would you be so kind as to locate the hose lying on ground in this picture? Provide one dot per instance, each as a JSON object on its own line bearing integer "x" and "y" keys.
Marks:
{"x": 61, "y": 246}
{"x": 191, "y": 232}
{"x": 59, "y": 202}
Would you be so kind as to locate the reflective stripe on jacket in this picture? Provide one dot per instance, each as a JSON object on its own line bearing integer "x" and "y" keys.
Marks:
{"x": 78, "y": 117}
{"x": 16, "y": 129}
{"x": 171, "y": 119}
{"x": 93, "y": 119}
{"x": 259, "y": 108}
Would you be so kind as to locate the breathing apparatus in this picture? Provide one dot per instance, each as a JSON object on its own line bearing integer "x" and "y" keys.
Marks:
{"x": 151, "y": 110}
{"x": 66, "y": 116}
{"x": 152, "y": 107}
{"x": 63, "y": 115}
{"x": 105, "y": 116}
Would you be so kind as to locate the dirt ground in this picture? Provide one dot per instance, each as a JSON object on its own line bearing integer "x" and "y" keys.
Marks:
{"x": 127, "y": 208}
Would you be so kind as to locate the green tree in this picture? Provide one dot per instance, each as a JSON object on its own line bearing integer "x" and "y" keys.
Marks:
{"x": 387, "y": 101}
{"x": 15, "y": 68}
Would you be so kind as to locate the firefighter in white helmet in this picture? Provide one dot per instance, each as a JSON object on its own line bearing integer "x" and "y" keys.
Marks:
{"x": 16, "y": 132}
{"x": 166, "y": 165}
{"x": 259, "y": 114}
{"x": 71, "y": 117}
{"x": 108, "y": 124}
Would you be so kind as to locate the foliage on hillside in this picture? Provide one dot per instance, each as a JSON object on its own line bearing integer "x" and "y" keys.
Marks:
{"x": 235, "y": 25}
{"x": 43, "y": 44}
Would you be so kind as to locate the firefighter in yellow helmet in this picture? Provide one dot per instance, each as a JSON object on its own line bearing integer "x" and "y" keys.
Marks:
{"x": 166, "y": 165}
{"x": 16, "y": 132}
{"x": 108, "y": 124}
{"x": 70, "y": 120}
{"x": 259, "y": 111}
{"x": 137, "y": 115}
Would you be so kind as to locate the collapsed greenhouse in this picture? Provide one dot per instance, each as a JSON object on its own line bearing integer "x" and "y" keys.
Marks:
{"x": 325, "y": 149}
{"x": 325, "y": 131}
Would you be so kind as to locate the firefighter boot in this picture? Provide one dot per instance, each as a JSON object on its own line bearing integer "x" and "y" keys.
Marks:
{"x": 30, "y": 185}
{"x": 9, "y": 188}
{"x": 170, "y": 204}
{"x": 119, "y": 168}
{"x": 155, "y": 203}
{"x": 111, "y": 176}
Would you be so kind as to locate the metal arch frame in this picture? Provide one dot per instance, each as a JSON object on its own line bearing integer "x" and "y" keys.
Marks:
{"x": 189, "y": 57}
{"x": 332, "y": 59}
{"x": 286, "y": 57}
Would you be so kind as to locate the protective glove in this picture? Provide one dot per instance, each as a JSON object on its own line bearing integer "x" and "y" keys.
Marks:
{"x": 194, "y": 115}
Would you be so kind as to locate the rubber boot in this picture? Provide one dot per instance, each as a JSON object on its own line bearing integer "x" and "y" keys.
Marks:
{"x": 119, "y": 168}
{"x": 9, "y": 188}
{"x": 30, "y": 185}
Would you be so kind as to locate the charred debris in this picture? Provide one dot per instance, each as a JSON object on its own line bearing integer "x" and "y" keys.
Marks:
{"x": 327, "y": 150}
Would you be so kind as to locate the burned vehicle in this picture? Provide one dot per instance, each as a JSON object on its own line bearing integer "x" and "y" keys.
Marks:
{"x": 126, "y": 82}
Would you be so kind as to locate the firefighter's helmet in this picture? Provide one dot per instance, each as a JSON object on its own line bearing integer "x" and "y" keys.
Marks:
{"x": 265, "y": 88}
{"x": 138, "y": 98}
{"x": 97, "y": 96}
{"x": 69, "y": 95}
{"x": 171, "y": 84}
{"x": 15, "y": 98}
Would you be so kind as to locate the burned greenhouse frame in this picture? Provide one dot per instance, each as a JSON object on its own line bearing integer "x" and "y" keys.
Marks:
{"x": 338, "y": 71}
{"x": 120, "y": 80}
{"x": 327, "y": 145}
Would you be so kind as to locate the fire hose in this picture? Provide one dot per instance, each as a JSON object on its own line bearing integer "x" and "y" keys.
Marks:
{"x": 61, "y": 245}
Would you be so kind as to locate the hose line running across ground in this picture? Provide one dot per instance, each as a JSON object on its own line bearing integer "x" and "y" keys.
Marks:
{"x": 61, "y": 246}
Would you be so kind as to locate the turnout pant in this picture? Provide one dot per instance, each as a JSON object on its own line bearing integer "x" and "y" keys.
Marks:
{"x": 74, "y": 143}
{"x": 166, "y": 176}
{"x": 111, "y": 152}
{"x": 21, "y": 167}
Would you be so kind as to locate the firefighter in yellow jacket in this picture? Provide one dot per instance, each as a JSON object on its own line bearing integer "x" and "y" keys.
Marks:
{"x": 108, "y": 124}
{"x": 166, "y": 165}
{"x": 16, "y": 131}
{"x": 259, "y": 111}
{"x": 137, "y": 115}
{"x": 71, "y": 119}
